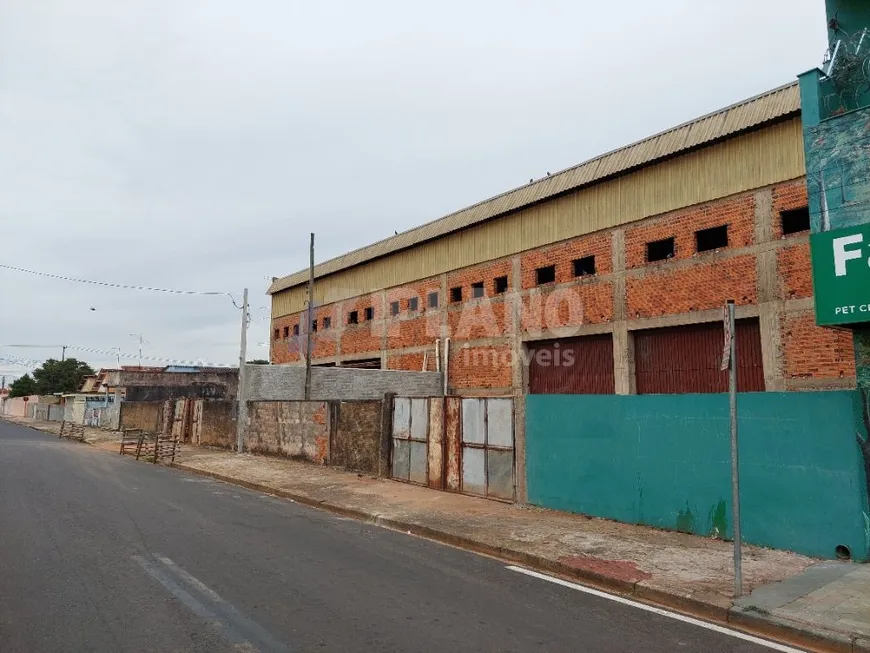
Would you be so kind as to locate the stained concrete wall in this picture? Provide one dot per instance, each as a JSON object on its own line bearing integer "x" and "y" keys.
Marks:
{"x": 217, "y": 424}
{"x": 296, "y": 429}
{"x": 356, "y": 436}
{"x": 226, "y": 379}
{"x": 287, "y": 382}
{"x": 664, "y": 460}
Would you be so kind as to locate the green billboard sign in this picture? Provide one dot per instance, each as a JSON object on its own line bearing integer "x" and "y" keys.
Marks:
{"x": 841, "y": 275}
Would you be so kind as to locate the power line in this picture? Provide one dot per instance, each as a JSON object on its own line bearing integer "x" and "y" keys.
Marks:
{"x": 215, "y": 293}
{"x": 115, "y": 353}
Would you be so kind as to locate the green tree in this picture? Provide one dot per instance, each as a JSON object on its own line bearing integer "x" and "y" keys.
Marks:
{"x": 23, "y": 387}
{"x": 258, "y": 361}
{"x": 61, "y": 376}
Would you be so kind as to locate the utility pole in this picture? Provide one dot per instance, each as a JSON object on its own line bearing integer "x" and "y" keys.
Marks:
{"x": 63, "y": 353}
{"x": 730, "y": 358}
{"x": 309, "y": 324}
{"x": 242, "y": 408}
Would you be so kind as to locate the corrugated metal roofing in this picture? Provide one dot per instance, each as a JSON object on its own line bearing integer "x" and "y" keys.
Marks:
{"x": 773, "y": 105}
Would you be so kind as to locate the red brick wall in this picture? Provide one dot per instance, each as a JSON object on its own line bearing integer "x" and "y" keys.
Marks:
{"x": 691, "y": 281}
{"x": 480, "y": 367}
{"x": 786, "y": 197}
{"x": 694, "y": 288}
{"x": 812, "y": 352}
{"x": 563, "y": 256}
{"x": 738, "y": 214}
{"x": 794, "y": 272}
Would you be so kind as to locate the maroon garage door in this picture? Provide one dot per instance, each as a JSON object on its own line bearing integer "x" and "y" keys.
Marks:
{"x": 581, "y": 366}
{"x": 687, "y": 359}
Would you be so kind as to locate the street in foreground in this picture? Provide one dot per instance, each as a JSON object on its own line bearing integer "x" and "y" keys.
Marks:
{"x": 101, "y": 553}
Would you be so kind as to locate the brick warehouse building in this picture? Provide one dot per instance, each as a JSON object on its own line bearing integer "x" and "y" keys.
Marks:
{"x": 655, "y": 235}
{"x": 582, "y": 293}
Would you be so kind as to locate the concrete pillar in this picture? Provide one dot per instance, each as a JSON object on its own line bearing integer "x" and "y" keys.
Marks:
{"x": 769, "y": 302}
{"x": 623, "y": 342}
{"x": 382, "y": 325}
{"x": 519, "y": 376}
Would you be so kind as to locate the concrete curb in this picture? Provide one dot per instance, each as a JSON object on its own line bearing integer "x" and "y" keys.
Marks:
{"x": 752, "y": 623}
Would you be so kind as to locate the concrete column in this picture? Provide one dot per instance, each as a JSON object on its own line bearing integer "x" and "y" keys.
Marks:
{"x": 338, "y": 325}
{"x": 383, "y": 327}
{"x": 769, "y": 302}
{"x": 623, "y": 341}
{"x": 519, "y": 376}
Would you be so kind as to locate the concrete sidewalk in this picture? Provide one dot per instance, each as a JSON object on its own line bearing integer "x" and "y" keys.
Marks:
{"x": 819, "y": 605}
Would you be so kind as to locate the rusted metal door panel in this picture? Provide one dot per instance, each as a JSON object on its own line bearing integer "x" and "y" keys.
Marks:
{"x": 196, "y": 421}
{"x": 474, "y": 421}
{"x": 500, "y": 423}
{"x": 500, "y": 473}
{"x": 419, "y": 419}
{"x": 581, "y": 365}
{"x": 418, "y": 463}
{"x": 436, "y": 442}
{"x": 453, "y": 443}
{"x": 474, "y": 470}
{"x": 402, "y": 418}
{"x": 687, "y": 359}
{"x": 401, "y": 459}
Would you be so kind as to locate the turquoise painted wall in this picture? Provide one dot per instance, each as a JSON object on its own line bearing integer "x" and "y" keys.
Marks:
{"x": 664, "y": 461}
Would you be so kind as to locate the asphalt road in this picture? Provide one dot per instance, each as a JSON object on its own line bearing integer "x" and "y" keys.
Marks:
{"x": 103, "y": 553}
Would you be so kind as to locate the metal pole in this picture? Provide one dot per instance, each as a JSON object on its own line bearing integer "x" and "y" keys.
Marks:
{"x": 308, "y": 324}
{"x": 735, "y": 466}
{"x": 242, "y": 408}
{"x": 63, "y": 353}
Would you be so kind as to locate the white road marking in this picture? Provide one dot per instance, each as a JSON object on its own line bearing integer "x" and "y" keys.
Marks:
{"x": 659, "y": 611}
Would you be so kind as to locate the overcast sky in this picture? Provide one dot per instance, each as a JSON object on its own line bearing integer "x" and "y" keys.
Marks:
{"x": 194, "y": 144}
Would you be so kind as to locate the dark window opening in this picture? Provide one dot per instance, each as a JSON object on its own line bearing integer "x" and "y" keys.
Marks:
{"x": 501, "y": 285}
{"x": 456, "y": 294}
{"x": 394, "y": 308}
{"x": 327, "y": 323}
{"x": 659, "y": 250}
{"x": 414, "y": 304}
{"x": 314, "y": 325}
{"x": 295, "y": 329}
{"x": 277, "y": 333}
{"x": 707, "y": 240}
{"x": 353, "y": 317}
{"x": 545, "y": 275}
{"x": 433, "y": 300}
{"x": 370, "y": 313}
{"x": 795, "y": 221}
{"x": 286, "y": 332}
{"x": 584, "y": 266}
{"x": 477, "y": 290}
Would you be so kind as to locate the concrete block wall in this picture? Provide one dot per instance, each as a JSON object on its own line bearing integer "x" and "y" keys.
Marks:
{"x": 287, "y": 382}
{"x": 296, "y": 429}
{"x": 766, "y": 273}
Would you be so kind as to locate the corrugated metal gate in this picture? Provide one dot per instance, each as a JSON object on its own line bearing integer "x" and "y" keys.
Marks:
{"x": 687, "y": 359}
{"x": 572, "y": 366}
{"x": 457, "y": 444}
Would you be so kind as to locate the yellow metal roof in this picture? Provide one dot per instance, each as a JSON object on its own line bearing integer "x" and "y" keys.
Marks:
{"x": 772, "y": 105}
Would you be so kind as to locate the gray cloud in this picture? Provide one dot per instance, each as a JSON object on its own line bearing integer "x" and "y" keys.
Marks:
{"x": 194, "y": 145}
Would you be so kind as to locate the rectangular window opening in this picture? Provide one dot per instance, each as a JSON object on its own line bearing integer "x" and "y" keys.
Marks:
{"x": 660, "y": 250}
{"x": 456, "y": 294}
{"x": 433, "y": 300}
{"x": 314, "y": 325}
{"x": 584, "y": 266}
{"x": 353, "y": 317}
{"x": 414, "y": 304}
{"x": 707, "y": 240}
{"x": 545, "y": 275}
{"x": 394, "y": 308}
{"x": 295, "y": 329}
{"x": 327, "y": 323}
{"x": 477, "y": 290}
{"x": 277, "y": 333}
{"x": 286, "y": 332}
{"x": 370, "y": 313}
{"x": 795, "y": 221}
{"x": 500, "y": 285}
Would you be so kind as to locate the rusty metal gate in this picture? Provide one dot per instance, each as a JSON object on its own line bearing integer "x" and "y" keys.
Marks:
{"x": 488, "y": 447}
{"x": 411, "y": 440}
{"x": 457, "y": 444}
